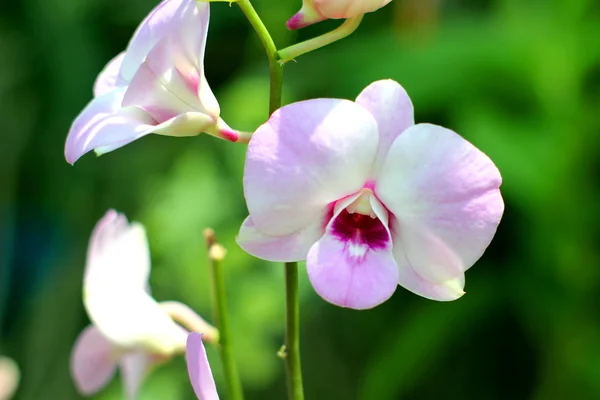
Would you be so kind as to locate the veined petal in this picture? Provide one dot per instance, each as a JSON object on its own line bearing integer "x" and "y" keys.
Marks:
{"x": 93, "y": 361}
{"x": 108, "y": 80}
{"x": 163, "y": 90}
{"x": 104, "y": 124}
{"x": 445, "y": 194}
{"x": 308, "y": 155}
{"x": 352, "y": 267}
{"x": 389, "y": 103}
{"x": 188, "y": 17}
{"x": 199, "y": 368}
{"x": 135, "y": 366}
{"x": 284, "y": 248}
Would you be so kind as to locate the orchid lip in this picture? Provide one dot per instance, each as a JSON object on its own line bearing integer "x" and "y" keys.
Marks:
{"x": 359, "y": 226}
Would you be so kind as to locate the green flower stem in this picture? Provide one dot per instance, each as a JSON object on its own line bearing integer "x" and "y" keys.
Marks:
{"x": 276, "y": 69}
{"x": 290, "y": 53}
{"x": 292, "y": 336}
{"x": 292, "y": 333}
{"x": 216, "y": 254}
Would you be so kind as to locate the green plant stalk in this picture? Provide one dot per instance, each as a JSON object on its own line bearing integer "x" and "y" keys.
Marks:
{"x": 275, "y": 67}
{"x": 296, "y": 50}
{"x": 292, "y": 332}
{"x": 216, "y": 254}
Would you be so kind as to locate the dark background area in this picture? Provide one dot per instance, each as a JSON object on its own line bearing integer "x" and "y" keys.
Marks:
{"x": 519, "y": 79}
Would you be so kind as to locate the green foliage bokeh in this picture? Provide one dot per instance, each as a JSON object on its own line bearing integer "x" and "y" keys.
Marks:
{"x": 519, "y": 79}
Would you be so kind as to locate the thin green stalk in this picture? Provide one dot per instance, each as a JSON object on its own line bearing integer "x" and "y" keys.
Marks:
{"x": 216, "y": 254}
{"x": 296, "y": 50}
{"x": 275, "y": 67}
{"x": 292, "y": 333}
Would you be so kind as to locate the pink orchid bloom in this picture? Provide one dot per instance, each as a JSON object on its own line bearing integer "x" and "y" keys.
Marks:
{"x": 369, "y": 199}
{"x": 129, "y": 328}
{"x": 314, "y": 11}
{"x": 157, "y": 85}
{"x": 199, "y": 370}
{"x": 9, "y": 378}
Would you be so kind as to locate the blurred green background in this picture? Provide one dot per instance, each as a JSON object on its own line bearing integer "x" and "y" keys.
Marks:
{"x": 519, "y": 79}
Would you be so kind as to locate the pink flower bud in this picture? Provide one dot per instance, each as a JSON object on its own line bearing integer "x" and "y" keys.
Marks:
{"x": 314, "y": 11}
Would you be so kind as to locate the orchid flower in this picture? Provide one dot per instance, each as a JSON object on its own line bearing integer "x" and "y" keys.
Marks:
{"x": 9, "y": 378}
{"x": 129, "y": 330}
{"x": 157, "y": 85}
{"x": 199, "y": 370}
{"x": 314, "y": 11}
{"x": 369, "y": 199}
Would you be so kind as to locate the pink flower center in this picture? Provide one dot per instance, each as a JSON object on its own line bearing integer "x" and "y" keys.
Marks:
{"x": 360, "y": 230}
{"x": 359, "y": 227}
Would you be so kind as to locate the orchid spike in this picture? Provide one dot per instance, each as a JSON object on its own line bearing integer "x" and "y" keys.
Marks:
{"x": 368, "y": 198}
{"x": 129, "y": 330}
{"x": 157, "y": 85}
{"x": 199, "y": 370}
{"x": 314, "y": 11}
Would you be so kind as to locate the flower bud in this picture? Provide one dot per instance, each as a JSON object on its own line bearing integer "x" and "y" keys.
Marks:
{"x": 314, "y": 11}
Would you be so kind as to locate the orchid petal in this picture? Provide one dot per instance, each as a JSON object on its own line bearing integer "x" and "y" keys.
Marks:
{"x": 188, "y": 17}
{"x": 108, "y": 80}
{"x": 445, "y": 194}
{"x": 307, "y": 15}
{"x": 93, "y": 361}
{"x": 118, "y": 255}
{"x": 354, "y": 274}
{"x": 199, "y": 368}
{"x": 114, "y": 289}
{"x": 409, "y": 279}
{"x": 389, "y": 103}
{"x": 285, "y": 248}
{"x": 104, "y": 124}
{"x": 134, "y": 368}
{"x": 134, "y": 319}
{"x": 348, "y": 8}
{"x": 308, "y": 155}
{"x": 161, "y": 89}
{"x": 9, "y": 378}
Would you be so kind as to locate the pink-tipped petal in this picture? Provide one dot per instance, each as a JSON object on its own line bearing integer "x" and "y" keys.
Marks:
{"x": 347, "y": 8}
{"x": 352, "y": 264}
{"x": 308, "y": 155}
{"x": 169, "y": 17}
{"x": 445, "y": 194}
{"x": 108, "y": 80}
{"x": 93, "y": 361}
{"x": 134, "y": 368}
{"x": 307, "y": 15}
{"x": 199, "y": 369}
{"x": 104, "y": 124}
{"x": 389, "y": 103}
{"x": 285, "y": 248}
